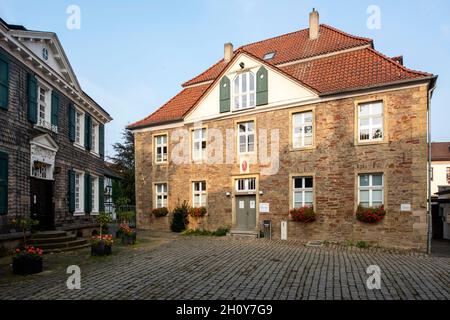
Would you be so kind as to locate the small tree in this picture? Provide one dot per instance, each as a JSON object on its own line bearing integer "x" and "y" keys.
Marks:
{"x": 180, "y": 217}
{"x": 25, "y": 224}
{"x": 103, "y": 219}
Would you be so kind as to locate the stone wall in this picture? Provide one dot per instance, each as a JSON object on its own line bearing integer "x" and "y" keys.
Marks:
{"x": 335, "y": 162}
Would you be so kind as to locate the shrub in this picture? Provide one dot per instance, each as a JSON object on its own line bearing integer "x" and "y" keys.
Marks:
{"x": 362, "y": 244}
{"x": 370, "y": 215}
{"x": 180, "y": 217}
{"x": 160, "y": 212}
{"x": 221, "y": 232}
{"x": 197, "y": 212}
{"x": 103, "y": 219}
{"x": 303, "y": 214}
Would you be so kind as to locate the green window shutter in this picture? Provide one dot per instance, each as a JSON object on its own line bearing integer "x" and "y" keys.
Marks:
{"x": 55, "y": 108}
{"x": 71, "y": 122}
{"x": 3, "y": 183}
{"x": 71, "y": 191}
{"x": 101, "y": 194}
{"x": 87, "y": 193}
{"x": 262, "y": 87}
{"x": 87, "y": 131}
{"x": 4, "y": 82}
{"x": 32, "y": 98}
{"x": 224, "y": 94}
{"x": 101, "y": 140}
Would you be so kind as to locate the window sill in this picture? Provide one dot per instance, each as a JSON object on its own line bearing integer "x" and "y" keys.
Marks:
{"x": 79, "y": 146}
{"x": 311, "y": 148}
{"x": 45, "y": 129}
{"x": 370, "y": 143}
{"x": 95, "y": 213}
{"x": 95, "y": 154}
{"x": 161, "y": 163}
{"x": 78, "y": 214}
{"x": 243, "y": 109}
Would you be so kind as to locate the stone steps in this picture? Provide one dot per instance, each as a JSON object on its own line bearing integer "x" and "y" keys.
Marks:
{"x": 57, "y": 241}
{"x": 243, "y": 234}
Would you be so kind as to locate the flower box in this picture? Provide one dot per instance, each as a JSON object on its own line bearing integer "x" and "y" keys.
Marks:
{"x": 303, "y": 214}
{"x": 27, "y": 261}
{"x": 197, "y": 212}
{"x": 101, "y": 245}
{"x": 370, "y": 215}
{"x": 160, "y": 212}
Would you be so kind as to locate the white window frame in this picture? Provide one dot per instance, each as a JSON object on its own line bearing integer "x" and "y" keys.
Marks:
{"x": 245, "y": 185}
{"x": 79, "y": 130}
{"x": 370, "y": 117}
{"x": 239, "y": 96}
{"x": 159, "y": 146}
{"x": 199, "y": 154}
{"x": 247, "y": 135}
{"x": 201, "y": 193}
{"x": 371, "y": 188}
{"x": 45, "y": 122}
{"x": 298, "y": 139}
{"x": 95, "y": 196}
{"x": 303, "y": 191}
{"x": 163, "y": 195}
{"x": 95, "y": 138}
{"x": 79, "y": 211}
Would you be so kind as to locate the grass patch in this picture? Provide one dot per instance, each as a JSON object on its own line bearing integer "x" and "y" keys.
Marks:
{"x": 221, "y": 232}
{"x": 362, "y": 244}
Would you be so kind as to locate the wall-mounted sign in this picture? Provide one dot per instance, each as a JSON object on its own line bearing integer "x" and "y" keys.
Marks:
{"x": 264, "y": 208}
{"x": 252, "y": 204}
{"x": 244, "y": 166}
{"x": 405, "y": 207}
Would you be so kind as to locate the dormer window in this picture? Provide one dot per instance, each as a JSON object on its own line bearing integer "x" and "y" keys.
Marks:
{"x": 244, "y": 91}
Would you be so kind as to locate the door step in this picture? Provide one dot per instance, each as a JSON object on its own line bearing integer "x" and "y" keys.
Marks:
{"x": 244, "y": 234}
{"x": 57, "y": 241}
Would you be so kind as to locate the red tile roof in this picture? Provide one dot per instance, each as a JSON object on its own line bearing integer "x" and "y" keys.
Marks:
{"x": 440, "y": 151}
{"x": 340, "y": 70}
{"x": 290, "y": 47}
{"x": 175, "y": 108}
{"x": 351, "y": 70}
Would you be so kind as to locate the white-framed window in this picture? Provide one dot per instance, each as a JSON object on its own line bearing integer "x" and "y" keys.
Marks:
{"x": 161, "y": 149}
{"x": 370, "y": 122}
{"x": 161, "y": 195}
{"x": 94, "y": 138}
{"x": 246, "y": 137}
{"x": 79, "y": 127}
{"x": 371, "y": 190}
{"x": 95, "y": 195}
{"x": 303, "y": 192}
{"x": 247, "y": 184}
{"x": 302, "y": 129}
{"x": 199, "y": 140}
{"x": 44, "y": 107}
{"x": 244, "y": 90}
{"x": 79, "y": 192}
{"x": 199, "y": 194}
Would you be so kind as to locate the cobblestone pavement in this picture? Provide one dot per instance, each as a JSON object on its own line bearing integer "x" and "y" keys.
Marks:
{"x": 221, "y": 268}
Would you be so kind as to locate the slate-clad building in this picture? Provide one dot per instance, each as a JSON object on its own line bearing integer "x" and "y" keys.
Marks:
{"x": 52, "y": 135}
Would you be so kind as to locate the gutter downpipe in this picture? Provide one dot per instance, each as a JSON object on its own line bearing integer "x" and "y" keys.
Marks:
{"x": 429, "y": 218}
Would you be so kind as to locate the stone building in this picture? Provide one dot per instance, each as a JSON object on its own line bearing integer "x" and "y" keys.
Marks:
{"x": 316, "y": 117}
{"x": 51, "y": 136}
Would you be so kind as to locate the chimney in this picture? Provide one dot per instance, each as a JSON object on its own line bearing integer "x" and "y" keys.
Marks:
{"x": 228, "y": 51}
{"x": 314, "y": 25}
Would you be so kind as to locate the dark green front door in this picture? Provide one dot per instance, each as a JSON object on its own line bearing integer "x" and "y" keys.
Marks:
{"x": 246, "y": 212}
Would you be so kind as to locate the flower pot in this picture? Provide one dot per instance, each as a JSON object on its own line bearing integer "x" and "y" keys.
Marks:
{"x": 100, "y": 249}
{"x": 25, "y": 265}
{"x": 129, "y": 239}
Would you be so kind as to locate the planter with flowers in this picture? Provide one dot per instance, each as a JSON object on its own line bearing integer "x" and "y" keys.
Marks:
{"x": 303, "y": 214}
{"x": 27, "y": 261}
{"x": 128, "y": 234}
{"x": 101, "y": 245}
{"x": 199, "y": 212}
{"x": 370, "y": 215}
{"x": 160, "y": 212}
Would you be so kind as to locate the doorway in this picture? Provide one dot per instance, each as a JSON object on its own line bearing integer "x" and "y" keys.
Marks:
{"x": 246, "y": 212}
{"x": 41, "y": 203}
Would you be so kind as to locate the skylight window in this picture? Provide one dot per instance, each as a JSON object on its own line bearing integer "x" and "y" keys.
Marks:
{"x": 269, "y": 56}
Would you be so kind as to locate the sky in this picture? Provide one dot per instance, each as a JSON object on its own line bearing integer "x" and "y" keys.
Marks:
{"x": 132, "y": 56}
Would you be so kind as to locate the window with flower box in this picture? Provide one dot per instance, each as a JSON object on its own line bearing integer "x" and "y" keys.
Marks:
{"x": 370, "y": 122}
{"x": 371, "y": 190}
{"x": 303, "y": 192}
{"x": 199, "y": 194}
{"x": 161, "y": 195}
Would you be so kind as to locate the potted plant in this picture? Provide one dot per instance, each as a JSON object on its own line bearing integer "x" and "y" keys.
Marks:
{"x": 370, "y": 215}
{"x": 128, "y": 234}
{"x": 124, "y": 217}
{"x": 160, "y": 212}
{"x": 197, "y": 212}
{"x": 27, "y": 261}
{"x": 102, "y": 244}
{"x": 303, "y": 214}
